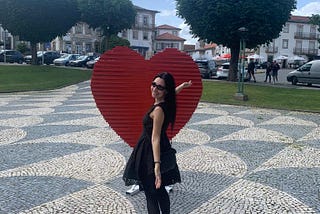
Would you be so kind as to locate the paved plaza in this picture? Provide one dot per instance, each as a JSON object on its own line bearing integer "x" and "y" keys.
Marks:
{"x": 58, "y": 155}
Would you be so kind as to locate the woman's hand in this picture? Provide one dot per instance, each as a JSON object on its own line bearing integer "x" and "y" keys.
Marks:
{"x": 157, "y": 175}
{"x": 183, "y": 85}
{"x": 187, "y": 84}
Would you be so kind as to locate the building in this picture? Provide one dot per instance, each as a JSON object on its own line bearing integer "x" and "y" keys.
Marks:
{"x": 298, "y": 38}
{"x": 80, "y": 39}
{"x": 168, "y": 37}
{"x": 141, "y": 35}
{"x": 7, "y": 41}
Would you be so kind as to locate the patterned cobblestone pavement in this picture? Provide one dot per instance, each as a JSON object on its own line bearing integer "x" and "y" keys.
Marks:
{"x": 58, "y": 155}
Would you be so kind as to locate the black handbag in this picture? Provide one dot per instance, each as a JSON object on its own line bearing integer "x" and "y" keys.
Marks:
{"x": 168, "y": 160}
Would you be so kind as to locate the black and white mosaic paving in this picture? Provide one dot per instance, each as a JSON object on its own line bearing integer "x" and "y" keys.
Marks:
{"x": 58, "y": 155}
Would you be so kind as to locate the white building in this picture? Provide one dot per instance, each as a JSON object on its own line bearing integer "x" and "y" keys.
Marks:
{"x": 141, "y": 35}
{"x": 168, "y": 37}
{"x": 298, "y": 38}
{"x": 6, "y": 39}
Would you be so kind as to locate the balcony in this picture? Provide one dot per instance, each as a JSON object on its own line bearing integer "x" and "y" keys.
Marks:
{"x": 305, "y": 51}
{"x": 308, "y": 36}
{"x": 271, "y": 50}
{"x": 144, "y": 26}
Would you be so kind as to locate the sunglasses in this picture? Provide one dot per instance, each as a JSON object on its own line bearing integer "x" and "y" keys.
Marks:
{"x": 159, "y": 87}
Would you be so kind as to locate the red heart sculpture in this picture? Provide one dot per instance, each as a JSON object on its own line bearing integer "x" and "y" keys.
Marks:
{"x": 120, "y": 85}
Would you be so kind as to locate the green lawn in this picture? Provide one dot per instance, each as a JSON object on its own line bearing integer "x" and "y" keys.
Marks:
{"x": 29, "y": 78}
{"x": 262, "y": 96}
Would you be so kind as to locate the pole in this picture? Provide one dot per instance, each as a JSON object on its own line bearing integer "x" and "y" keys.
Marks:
{"x": 4, "y": 44}
{"x": 240, "y": 68}
{"x": 240, "y": 94}
{"x": 242, "y": 64}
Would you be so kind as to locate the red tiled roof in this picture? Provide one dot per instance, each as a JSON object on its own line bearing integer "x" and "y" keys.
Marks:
{"x": 168, "y": 27}
{"x": 168, "y": 36}
{"x": 299, "y": 19}
{"x": 209, "y": 46}
{"x": 187, "y": 47}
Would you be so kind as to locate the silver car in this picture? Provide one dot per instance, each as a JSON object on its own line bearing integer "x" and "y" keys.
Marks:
{"x": 223, "y": 72}
{"x": 65, "y": 59}
{"x": 308, "y": 73}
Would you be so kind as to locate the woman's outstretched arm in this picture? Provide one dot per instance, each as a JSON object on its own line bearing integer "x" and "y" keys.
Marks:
{"x": 182, "y": 86}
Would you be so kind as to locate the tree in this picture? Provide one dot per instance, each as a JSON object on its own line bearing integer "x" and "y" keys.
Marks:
{"x": 22, "y": 47}
{"x": 315, "y": 20}
{"x": 110, "y": 16}
{"x": 219, "y": 21}
{"x": 114, "y": 41}
{"x": 38, "y": 21}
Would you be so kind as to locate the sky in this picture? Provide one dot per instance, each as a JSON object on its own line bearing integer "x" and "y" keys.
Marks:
{"x": 168, "y": 16}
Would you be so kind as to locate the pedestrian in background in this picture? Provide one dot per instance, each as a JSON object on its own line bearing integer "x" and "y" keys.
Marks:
{"x": 251, "y": 68}
{"x": 275, "y": 69}
{"x": 268, "y": 72}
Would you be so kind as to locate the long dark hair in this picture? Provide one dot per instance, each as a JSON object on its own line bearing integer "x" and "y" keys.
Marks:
{"x": 170, "y": 97}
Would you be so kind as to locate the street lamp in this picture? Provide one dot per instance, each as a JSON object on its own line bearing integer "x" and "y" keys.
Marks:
{"x": 4, "y": 44}
{"x": 240, "y": 94}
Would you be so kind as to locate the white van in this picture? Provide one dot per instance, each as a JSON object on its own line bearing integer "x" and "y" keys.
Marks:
{"x": 308, "y": 73}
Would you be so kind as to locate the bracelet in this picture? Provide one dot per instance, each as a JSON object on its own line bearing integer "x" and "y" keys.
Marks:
{"x": 159, "y": 162}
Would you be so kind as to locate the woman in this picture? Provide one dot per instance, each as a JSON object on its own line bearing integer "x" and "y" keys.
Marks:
{"x": 144, "y": 164}
{"x": 275, "y": 69}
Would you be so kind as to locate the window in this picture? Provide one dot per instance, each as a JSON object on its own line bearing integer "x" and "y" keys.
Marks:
{"x": 313, "y": 32}
{"x": 161, "y": 46}
{"x": 285, "y": 43}
{"x": 299, "y": 44}
{"x": 135, "y": 35}
{"x": 145, "y": 36}
{"x": 300, "y": 28}
{"x": 78, "y": 29}
{"x": 145, "y": 20}
{"x": 88, "y": 47}
{"x": 87, "y": 29}
{"x": 306, "y": 67}
{"x": 124, "y": 34}
{"x": 286, "y": 28}
{"x": 312, "y": 45}
{"x": 175, "y": 33}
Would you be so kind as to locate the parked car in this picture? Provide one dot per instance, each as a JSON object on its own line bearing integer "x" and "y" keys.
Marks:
{"x": 11, "y": 56}
{"x": 47, "y": 57}
{"x": 223, "y": 72}
{"x": 81, "y": 61}
{"x": 206, "y": 67}
{"x": 43, "y": 57}
{"x": 28, "y": 58}
{"x": 65, "y": 59}
{"x": 91, "y": 63}
{"x": 308, "y": 73}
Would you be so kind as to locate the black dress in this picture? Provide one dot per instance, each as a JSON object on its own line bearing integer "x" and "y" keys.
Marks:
{"x": 141, "y": 162}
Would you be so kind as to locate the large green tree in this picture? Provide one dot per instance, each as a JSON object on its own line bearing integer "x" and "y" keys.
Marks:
{"x": 219, "y": 21}
{"x": 38, "y": 21}
{"x": 110, "y": 16}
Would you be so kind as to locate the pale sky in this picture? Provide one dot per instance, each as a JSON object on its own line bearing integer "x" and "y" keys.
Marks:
{"x": 168, "y": 16}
